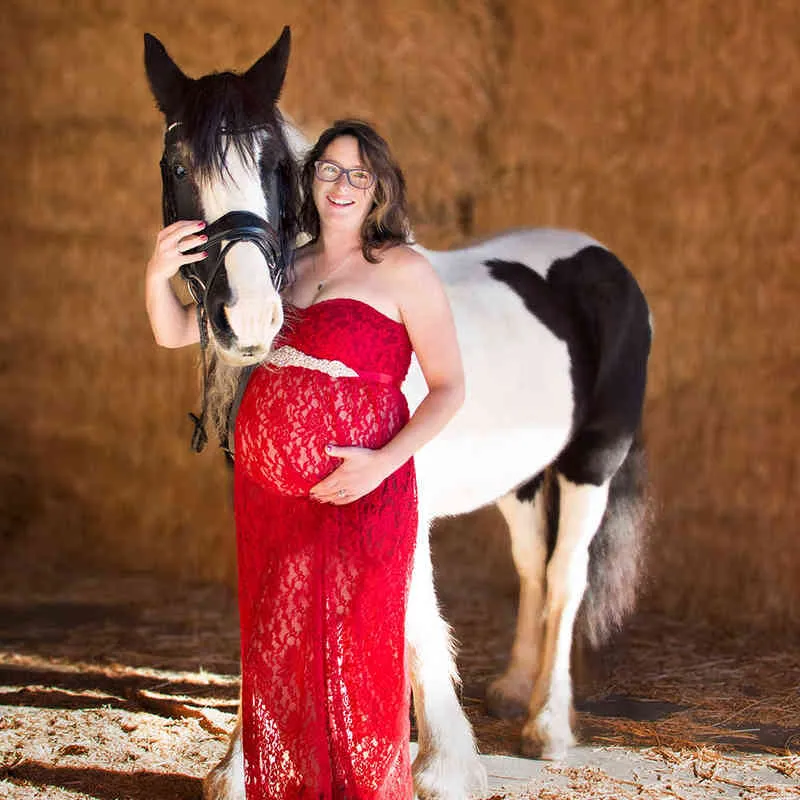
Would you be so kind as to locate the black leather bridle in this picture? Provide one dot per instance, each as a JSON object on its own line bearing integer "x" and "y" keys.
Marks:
{"x": 232, "y": 228}
{"x": 223, "y": 234}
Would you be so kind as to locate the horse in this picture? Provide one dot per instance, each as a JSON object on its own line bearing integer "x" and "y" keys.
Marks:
{"x": 555, "y": 337}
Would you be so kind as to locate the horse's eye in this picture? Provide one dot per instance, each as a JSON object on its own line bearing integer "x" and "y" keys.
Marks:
{"x": 179, "y": 171}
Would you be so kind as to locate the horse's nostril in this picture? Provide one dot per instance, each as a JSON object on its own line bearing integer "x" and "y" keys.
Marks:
{"x": 249, "y": 351}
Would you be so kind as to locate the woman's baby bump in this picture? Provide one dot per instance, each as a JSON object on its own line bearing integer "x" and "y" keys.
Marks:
{"x": 288, "y": 415}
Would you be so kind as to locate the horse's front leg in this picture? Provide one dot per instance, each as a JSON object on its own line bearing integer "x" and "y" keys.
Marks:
{"x": 226, "y": 779}
{"x": 526, "y": 515}
{"x": 548, "y": 731}
{"x": 447, "y": 766}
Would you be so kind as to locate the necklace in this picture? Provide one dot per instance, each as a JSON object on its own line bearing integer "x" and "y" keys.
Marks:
{"x": 323, "y": 281}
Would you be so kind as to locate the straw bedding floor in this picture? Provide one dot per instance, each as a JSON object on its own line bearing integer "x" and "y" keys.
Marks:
{"x": 126, "y": 687}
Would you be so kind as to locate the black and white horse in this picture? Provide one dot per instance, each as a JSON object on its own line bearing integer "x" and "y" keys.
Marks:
{"x": 555, "y": 336}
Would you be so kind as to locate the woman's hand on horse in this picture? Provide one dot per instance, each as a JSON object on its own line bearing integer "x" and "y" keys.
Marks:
{"x": 169, "y": 254}
{"x": 361, "y": 471}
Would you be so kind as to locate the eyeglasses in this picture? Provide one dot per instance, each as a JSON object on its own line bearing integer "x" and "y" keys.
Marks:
{"x": 357, "y": 177}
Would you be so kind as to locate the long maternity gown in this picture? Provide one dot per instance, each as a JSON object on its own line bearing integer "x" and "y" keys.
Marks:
{"x": 323, "y": 588}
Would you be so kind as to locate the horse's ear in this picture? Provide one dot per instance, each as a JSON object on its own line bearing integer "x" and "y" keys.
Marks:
{"x": 267, "y": 74}
{"x": 167, "y": 82}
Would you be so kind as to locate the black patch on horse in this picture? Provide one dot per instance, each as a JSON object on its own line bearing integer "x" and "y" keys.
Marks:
{"x": 592, "y": 303}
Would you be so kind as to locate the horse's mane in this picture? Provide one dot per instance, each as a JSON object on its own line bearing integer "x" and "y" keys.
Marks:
{"x": 223, "y": 385}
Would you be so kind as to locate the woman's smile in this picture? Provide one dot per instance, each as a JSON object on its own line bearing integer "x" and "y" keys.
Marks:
{"x": 340, "y": 202}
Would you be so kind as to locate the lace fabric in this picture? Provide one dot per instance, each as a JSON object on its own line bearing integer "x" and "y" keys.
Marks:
{"x": 323, "y": 588}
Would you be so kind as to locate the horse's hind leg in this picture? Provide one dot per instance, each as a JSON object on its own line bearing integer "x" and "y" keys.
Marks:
{"x": 447, "y": 766}
{"x": 526, "y": 514}
{"x": 548, "y": 731}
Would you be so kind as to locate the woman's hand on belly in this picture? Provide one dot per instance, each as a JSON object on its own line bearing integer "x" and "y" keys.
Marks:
{"x": 361, "y": 471}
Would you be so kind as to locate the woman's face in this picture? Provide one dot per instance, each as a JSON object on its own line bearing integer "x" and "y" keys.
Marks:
{"x": 339, "y": 204}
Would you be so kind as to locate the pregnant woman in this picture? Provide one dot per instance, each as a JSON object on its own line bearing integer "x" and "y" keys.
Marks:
{"x": 325, "y": 498}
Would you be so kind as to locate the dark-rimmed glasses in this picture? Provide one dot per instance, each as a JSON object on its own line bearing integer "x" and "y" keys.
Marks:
{"x": 357, "y": 177}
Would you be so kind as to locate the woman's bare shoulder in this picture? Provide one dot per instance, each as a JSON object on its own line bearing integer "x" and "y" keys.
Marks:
{"x": 411, "y": 279}
{"x": 303, "y": 256}
{"x": 305, "y": 251}
{"x": 403, "y": 258}
{"x": 301, "y": 261}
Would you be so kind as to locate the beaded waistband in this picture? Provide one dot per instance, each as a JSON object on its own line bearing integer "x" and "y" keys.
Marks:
{"x": 288, "y": 356}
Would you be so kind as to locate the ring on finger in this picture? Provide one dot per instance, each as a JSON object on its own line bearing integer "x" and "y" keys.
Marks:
{"x": 341, "y": 493}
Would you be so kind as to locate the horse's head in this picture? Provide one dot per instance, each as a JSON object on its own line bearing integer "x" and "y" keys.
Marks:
{"x": 226, "y": 160}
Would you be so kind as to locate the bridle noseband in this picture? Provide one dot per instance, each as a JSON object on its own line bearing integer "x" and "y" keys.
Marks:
{"x": 232, "y": 228}
{"x": 229, "y": 230}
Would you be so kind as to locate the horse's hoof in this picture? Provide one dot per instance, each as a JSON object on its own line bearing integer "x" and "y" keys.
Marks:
{"x": 218, "y": 787}
{"x": 226, "y": 780}
{"x": 531, "y": 745}
{"x": 536, "y": 743}
{"x": 506, "y": 699}
{"x": 437, "y": 777}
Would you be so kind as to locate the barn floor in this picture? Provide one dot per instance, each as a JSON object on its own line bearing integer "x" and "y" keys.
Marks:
{"x": 125, "y": 687}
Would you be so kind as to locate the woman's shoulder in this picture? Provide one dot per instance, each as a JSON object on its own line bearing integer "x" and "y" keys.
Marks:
{"x": 304, "y": 251}
{"x": 303, "y": 256}
{"x": 409, "y": 273}
{"x": 404, "y": 256}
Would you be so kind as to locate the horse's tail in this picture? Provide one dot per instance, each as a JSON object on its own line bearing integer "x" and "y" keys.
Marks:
{"x": 615, "y": 554}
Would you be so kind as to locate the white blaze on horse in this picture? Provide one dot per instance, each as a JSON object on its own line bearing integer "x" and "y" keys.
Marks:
{"x": 555, "y": 336}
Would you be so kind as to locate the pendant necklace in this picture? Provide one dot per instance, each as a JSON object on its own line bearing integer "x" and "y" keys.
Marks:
{"x": 321, "y": 283}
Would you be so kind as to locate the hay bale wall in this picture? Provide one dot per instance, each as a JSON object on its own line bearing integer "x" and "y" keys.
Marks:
{"x": 668, "y": 132}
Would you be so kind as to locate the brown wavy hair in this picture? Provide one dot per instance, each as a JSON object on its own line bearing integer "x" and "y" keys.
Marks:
{"x": 387, "y": 221}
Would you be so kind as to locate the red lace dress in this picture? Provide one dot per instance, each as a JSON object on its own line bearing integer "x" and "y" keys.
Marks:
{"x": 323, "y": 588}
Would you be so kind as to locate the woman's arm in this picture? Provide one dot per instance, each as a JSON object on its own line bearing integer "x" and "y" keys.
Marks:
{"x": 173, "y": 324}
{"x": 426, "y": 314}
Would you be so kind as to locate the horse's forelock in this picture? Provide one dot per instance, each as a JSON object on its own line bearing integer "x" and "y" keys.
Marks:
{"x": 221, "y": 103}
{"x": 226, "y": 102}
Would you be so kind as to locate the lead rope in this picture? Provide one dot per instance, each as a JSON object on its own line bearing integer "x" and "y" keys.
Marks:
{"x": 199, "y": 435}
